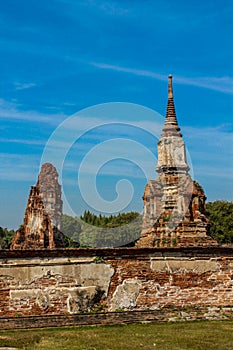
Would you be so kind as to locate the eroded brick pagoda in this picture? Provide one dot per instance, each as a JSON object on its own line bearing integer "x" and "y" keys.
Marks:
{"x": 42, "y": 219}
{"x": 174, "y": 204}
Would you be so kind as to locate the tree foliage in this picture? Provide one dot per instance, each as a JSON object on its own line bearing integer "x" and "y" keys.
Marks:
{"x": 91, "y": 230}
{"x": 108, "y": 221}
{"x": 110, "y": 231}
{"x": 71, "y": 228}
{"x": 220, "y": 214}
{"x": 6, "y": 237}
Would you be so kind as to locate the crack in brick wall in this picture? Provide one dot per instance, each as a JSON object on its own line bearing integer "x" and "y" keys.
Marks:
{"x": 126, "y": 279}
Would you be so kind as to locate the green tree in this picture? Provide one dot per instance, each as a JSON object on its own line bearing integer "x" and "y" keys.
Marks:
{"x": 108, "y": 221}
{"x": 220, "y": 214}
{"x": 6, "y": 237}
{"x": 71, "y": 228}
{"x": 110, "y": 231}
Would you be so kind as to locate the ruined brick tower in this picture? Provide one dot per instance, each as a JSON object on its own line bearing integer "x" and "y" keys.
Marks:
{"x": 50, "y": 191}
{"x": 42, "y": 220}
{"x": 174, "y": 204}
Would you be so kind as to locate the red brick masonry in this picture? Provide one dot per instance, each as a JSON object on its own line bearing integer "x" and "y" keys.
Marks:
{"x": 165, "y": 283}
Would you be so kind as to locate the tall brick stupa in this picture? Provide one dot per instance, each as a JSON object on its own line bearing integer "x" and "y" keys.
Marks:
{"x": 42, "y": 219}
{"x": 174, "y": 204}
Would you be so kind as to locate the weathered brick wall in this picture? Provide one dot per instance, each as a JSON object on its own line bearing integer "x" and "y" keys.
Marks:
{"x": 114, "y": 318}
{"x": 77, "y": 281}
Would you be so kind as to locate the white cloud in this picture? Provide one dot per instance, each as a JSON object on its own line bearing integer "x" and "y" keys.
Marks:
{"x": 130, "y": 70}
{"x": 211, "y": 171}
{"x": 83, "y": 123}
{"x": 18, "y": 167}
{"x": 11, "y": 111}
{"x": 211, "y": 151}
{"x": 222, "y": 84}
{"x": 23, "y": 86}
{"x": 217, "y": 138}
{"x": 24, "y": 141}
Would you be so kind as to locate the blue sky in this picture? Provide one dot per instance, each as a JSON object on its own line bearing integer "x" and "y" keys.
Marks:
{"x": 59, "y": 57}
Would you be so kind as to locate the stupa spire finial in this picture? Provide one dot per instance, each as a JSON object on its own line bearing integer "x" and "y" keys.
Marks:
{"x": 171, "y": 124}
{"x": 170, "y": 90}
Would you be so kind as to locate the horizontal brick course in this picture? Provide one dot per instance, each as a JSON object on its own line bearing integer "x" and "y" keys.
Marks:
{"x": 68, "y": 284}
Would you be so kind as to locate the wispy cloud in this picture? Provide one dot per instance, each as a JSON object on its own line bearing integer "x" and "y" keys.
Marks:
{"x": 11, "y": 111}
{"x": 18, "y": 167}
{"x": 214, "y": 137}
{"x": 24, "y": 141}
{"x": 23, "y": 86}
{"x": 210, "y": 150}
{"x": 107, "y": 7}
{"x": 221, "y": 173}
{"x": 134, "y": 71}
{"x": 222, "y": 84}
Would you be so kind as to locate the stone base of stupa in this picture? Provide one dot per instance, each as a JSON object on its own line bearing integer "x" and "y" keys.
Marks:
{"x": 180, "y": 235}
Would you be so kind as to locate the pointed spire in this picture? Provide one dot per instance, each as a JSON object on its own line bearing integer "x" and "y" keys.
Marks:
{"x": 171, "y": 124}
{"x": 170, "y": 90}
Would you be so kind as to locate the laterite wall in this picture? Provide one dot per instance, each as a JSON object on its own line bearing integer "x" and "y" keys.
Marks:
{"x": 77, "y": 281}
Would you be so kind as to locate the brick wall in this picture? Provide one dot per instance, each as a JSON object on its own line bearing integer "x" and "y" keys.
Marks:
{"x": 84, "y": 281}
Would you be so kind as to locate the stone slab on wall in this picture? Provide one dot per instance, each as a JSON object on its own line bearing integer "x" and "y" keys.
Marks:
{"x": 75, "y": 281}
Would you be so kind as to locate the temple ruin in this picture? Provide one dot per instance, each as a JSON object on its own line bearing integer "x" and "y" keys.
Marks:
{"x": 42, "y": 219}
{"x": 174, "y": 204}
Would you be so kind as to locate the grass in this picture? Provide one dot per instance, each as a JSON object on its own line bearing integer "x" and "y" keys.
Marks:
{"x": 201, "y": 335}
